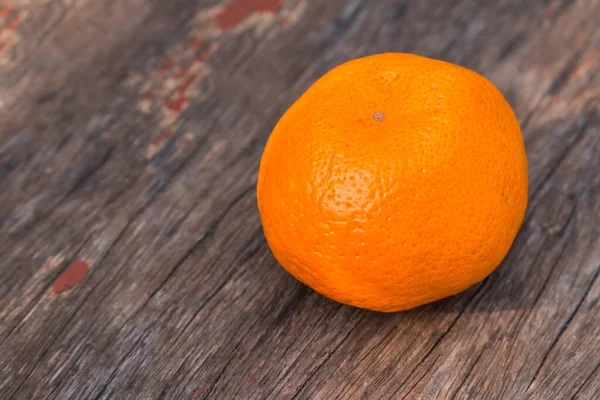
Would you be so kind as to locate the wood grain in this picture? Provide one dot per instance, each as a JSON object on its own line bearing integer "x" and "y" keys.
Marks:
{"x": 133, "y": 261}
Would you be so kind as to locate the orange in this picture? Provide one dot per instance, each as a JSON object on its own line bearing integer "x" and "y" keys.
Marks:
{"x": 395, "y": 180}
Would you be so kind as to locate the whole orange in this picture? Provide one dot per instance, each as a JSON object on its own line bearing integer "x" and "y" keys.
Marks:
{"x": 393, "y": 181}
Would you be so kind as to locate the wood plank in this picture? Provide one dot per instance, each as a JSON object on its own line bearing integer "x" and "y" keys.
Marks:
{"x": 134, "y": 263}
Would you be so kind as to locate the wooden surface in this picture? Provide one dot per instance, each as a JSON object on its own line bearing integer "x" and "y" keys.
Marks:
{"x": 133, "y": 263}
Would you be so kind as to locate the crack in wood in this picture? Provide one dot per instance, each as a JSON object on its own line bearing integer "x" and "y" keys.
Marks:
{"x": 366, "y": 356}
{"x": 425, "y": 373}
{"x": 223, "y": 369}
{"x": 303, "y": 292}
{"x": 441, "y": 338}
{"x": 343, "y": 23}
{"x": 294, "y": 364}
{"x": 559, "y": 259}
{"x": 512, "y": 46}
{"x": 378, "y": 346}
{"x": 587, "y": 379}
{"x": 563, "y": 328}
{"x": 177, "y": 338}
{"x": 563, "y": 77}
{"x": 28, "y": 221}
{"x": 469, "y": 372}
{"x": 116, "y": 370}
{"x": 579, "y": 135}
{"x": 315, "y": 371}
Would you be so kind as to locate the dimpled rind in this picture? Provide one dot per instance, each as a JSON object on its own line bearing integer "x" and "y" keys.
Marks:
{"x": 395, "y": 180}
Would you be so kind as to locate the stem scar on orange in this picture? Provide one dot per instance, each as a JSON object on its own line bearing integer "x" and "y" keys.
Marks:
{"x": 395, "y": 180}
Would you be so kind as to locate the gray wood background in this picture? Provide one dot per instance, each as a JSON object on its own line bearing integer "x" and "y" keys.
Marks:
{"x": 133, "y": 263}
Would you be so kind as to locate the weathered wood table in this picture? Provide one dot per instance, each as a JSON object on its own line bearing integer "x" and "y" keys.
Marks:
{"x": 133, "y": 263}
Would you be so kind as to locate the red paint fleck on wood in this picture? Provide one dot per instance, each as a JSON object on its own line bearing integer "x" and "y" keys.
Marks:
{"x": 585, "y": 63}
{"x": 70, "y": 277}
{"x": 183, "y": 71}
{"x": 550, "y": 12}
{"x": 237, "y": 10}
{"x": 163, "y": 136}
{"x": 151, "y": 95}
{"x": 166, "y": 66}
{"x": 252, "y": 380}
{"x": 285, "y": 21}
{"x": 14, "y": 24}
{"x": 180, "y": 100}
{"x": 186, "y": 140}
{"x": 196, "y": 43}
{"x": 201, "y": 390}
{"x": 205, "y": 54}
{"x": 198, "y": 60}
{"x": 6, "y": 12}
{"x": 177, "y": 103}
{"x": 579, "y": 96}
{"x": 186, "y": 84}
